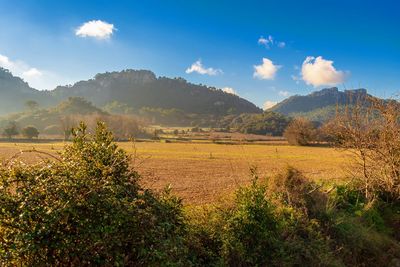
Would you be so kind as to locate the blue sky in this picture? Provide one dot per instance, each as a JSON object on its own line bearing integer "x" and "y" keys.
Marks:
{"x": 263, "y": 50}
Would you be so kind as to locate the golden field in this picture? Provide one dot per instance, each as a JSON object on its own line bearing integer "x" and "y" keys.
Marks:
{"x": 203, "y": 172}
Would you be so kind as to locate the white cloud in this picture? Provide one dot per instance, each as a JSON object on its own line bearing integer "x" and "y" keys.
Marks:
{"x": 95, "y": 28}
{"x": 32, "y": 72}
{"x": 269, "y": 104}
{"x": 266, "y": 71}
{"x": 5, "y": 62}
{"x": 284, "y": 93}
{"x": 199, "y": 68}
{"x": 229, "y": 90}
{"x": 267, "y": 42}
{"x": 318, "y": 71}
{"x": 270, "y": 42}
{"x": 36, "y": 78}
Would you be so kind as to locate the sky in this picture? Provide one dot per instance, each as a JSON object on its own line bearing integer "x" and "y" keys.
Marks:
{"x": 263, "y": 51}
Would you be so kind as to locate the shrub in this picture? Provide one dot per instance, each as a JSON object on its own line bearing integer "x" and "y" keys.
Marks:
{"x": 87, "y": 208}
{"x": 251, "y": 235}
{"x": 292, "y": 189}
{"x": 299, "y": 132}
{"x": 258, "y": 229}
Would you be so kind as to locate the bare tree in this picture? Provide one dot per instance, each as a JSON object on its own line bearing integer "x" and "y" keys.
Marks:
{"x": 299, "y": 132}
{"x": 371, "y": 130}
{"x": 67, "y": 122}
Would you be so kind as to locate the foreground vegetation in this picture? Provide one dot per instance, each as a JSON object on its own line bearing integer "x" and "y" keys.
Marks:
{"x": 86, "y": 207}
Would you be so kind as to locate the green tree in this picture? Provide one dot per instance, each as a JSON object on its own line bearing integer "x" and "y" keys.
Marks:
{"x": 11, "y": 130}
{"x": 30, "y": 132}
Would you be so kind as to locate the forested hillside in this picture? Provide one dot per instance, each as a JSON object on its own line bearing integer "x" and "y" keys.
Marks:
{"x": 137, "y": 89}
{"x": 131, "y": 89}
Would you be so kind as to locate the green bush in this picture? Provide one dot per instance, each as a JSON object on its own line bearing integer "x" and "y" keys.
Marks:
{"x": 86, "y": 208}
{"x": 251, "y": 230}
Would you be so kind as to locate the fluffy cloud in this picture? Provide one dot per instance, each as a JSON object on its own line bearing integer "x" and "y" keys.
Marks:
{"x": 318, "y": 71}
{"x": 199, "y": 68}
{"x": 269, "y": 104}
{"x": 36, "y": 78}
{"x": 284, "y": 93}
{"x": 95, "y": 28}
{"x": 266, "y": 71}
{"x": 229, "y": 90}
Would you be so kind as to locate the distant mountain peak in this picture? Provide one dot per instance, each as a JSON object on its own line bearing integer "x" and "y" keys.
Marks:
{"x": 327, "y": 98}
{"x": 138, "y": 76}
{"x": 326, "y": 91}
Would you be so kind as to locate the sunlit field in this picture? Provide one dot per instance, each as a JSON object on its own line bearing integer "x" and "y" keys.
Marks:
{"x": 202, "y": 173}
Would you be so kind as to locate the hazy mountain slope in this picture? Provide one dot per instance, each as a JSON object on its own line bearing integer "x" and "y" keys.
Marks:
{"x": 14, "y": 92}
{"x": 52, "y": 117}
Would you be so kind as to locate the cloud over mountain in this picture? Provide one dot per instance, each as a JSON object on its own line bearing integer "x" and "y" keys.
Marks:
{"x": 318, "y": 71}
{"x": 268, "y": 104}
{"x": 200, "y": 69}
{"x": 95, "y": 28}
{"x": 266, "y": 71}
{"x": 229, "y": 90}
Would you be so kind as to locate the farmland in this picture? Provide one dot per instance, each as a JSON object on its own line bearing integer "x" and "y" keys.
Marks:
{"x": 202, "y": 173}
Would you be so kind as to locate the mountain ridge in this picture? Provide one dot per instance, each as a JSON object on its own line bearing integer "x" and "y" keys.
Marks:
{"x": 136, "y": 88}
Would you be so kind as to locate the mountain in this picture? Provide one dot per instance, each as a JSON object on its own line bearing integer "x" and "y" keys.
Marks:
{"x": 320, "y": 105}
{"x": 141, "y": 88}
{"x": 134, "y": 89}
{"x": 14, "y": 92}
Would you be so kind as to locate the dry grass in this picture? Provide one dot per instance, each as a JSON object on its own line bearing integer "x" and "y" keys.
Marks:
{"x": 201, "y": 173}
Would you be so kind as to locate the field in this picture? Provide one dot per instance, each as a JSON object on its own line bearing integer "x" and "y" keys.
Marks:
{"x": 202, "y": 173}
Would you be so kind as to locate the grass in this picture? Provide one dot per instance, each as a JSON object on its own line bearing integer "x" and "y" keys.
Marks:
{"x": 202, "y": 173}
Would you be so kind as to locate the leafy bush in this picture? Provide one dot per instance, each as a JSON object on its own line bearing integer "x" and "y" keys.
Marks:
{"x": 86, "y": 208}
{"x": 251, "y": 235}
